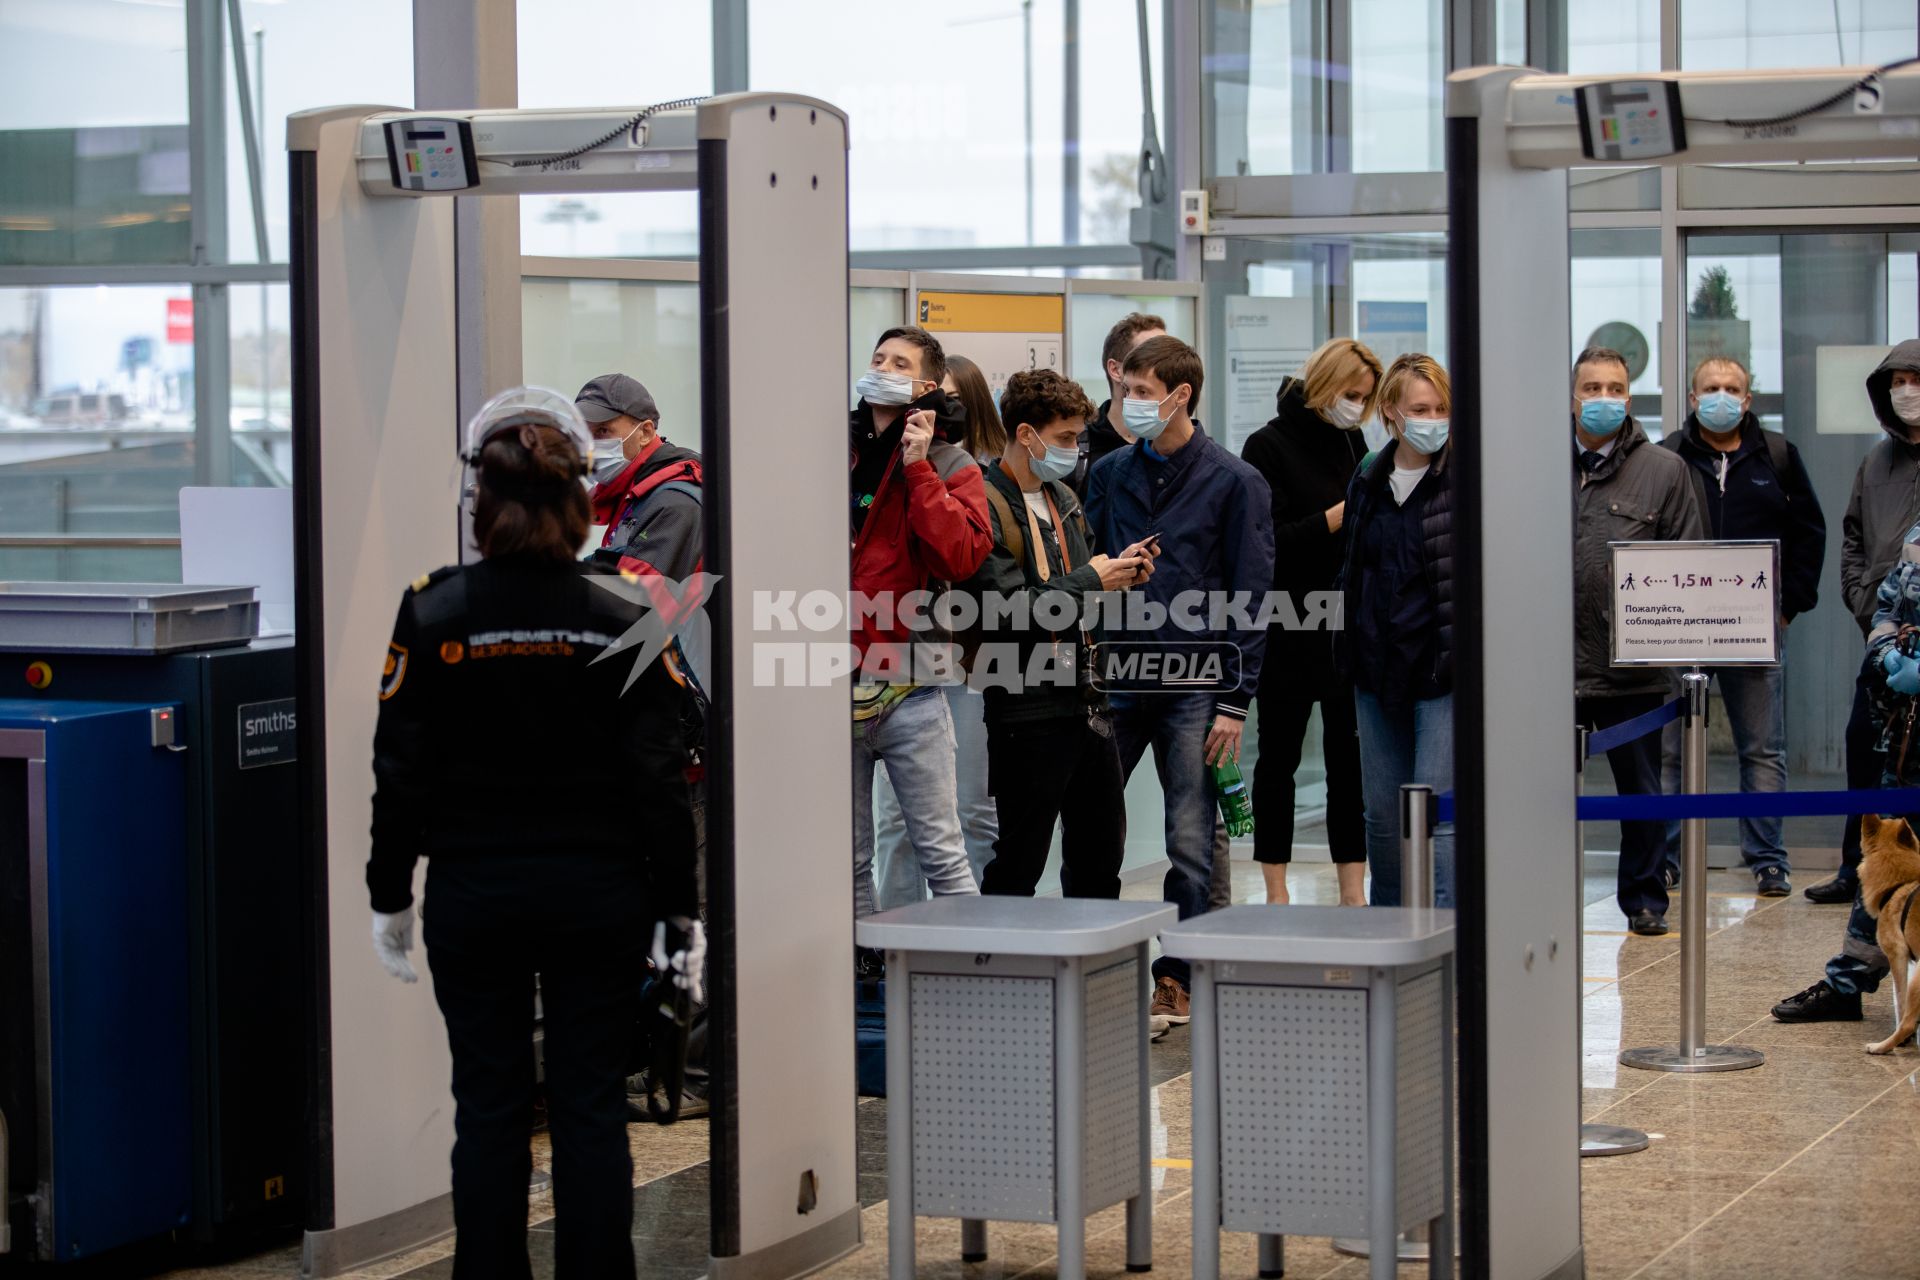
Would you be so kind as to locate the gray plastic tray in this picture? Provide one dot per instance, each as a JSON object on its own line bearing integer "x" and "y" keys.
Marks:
{"x": 124, "y": 617}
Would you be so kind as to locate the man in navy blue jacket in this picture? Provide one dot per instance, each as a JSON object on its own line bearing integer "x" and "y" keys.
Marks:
{"x": 1755, "y": 486}
{"x": 1213, "y": 516}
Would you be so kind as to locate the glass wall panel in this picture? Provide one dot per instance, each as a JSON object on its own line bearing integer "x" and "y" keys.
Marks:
{"x": 93, "y": 138}
{"x": 670, "y": 60}
{"x": 260, "y": 394}
{"x": 1903, "y": 287}
{"x": 1089, "y": 317}
{"x": 575, "y": 330}
{"x": 1510, "y": 32}
{"x": 97, "y": 406}
{"x": 1812, "y": 310}
{"x": 303, "y": 54}
{"x": 1621, "y": 36}
{"x": 870, "y": 313}
{"x": 1294, "y": 86}
{"x": 1741, "y": 35}
{"x": 948, "y": 159}
{"x": 1616, "y": 303}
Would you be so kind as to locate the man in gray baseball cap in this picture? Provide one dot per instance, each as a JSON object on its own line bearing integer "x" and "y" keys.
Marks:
{"x": 646, "y": 488}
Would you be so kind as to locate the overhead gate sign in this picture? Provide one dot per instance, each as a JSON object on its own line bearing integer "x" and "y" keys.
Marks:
{"x": 1688, "y": 604}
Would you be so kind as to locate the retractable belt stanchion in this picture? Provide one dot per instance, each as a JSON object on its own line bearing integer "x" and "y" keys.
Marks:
{"x": 1595, "y": 1139}
{"x": 1417, "y": 813}
{"x": 1693, "y": 1053}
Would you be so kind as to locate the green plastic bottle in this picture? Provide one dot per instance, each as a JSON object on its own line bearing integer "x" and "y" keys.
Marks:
{"x": 1236, "y": 803}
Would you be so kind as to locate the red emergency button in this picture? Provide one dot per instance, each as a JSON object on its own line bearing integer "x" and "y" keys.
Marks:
{"x": 39, "y": 675}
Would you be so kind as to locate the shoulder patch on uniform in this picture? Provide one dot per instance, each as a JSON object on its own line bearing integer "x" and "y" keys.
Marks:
{"x": 420, "y": 583}
{"x": 395, "y": 670}
{"x": 439, "y": 597}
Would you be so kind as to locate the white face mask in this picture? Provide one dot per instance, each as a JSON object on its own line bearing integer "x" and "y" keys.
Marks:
{"x": 1347, "y": 412}
{"x": 1906, "y": 404}
{"x": 610, "y": 456}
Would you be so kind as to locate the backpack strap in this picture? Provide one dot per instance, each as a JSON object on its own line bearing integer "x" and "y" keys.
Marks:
{"x": 1009, "y": 527}
{"x": 687, "y": 487}
{"x": 1779, "y": 459}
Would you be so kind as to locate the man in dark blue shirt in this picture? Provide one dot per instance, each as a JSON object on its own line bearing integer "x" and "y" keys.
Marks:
{"x": 1212, "y": 515}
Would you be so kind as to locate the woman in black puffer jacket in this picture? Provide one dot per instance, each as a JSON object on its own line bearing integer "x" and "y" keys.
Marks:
{"x": 1397, "y": 645}
{"x": 1308, "y": 454}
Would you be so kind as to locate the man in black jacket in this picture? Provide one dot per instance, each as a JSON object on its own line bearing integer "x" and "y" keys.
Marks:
{"x": 1051, "y": 751}
{"x": 1106, "y": 429}
{"x": 1755, "y": 487}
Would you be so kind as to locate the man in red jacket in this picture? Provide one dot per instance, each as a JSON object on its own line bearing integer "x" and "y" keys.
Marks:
{"x": 918, "y": 520}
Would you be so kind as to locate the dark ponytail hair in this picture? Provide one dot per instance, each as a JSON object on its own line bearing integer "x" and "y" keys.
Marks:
{"x": 528, "y": 496}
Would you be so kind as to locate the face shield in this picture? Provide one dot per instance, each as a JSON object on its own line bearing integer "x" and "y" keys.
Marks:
{"x": 522, "y": 406}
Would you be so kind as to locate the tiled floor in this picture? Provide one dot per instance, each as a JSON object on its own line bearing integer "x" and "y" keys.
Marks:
{"x": 1802, "y": 1168}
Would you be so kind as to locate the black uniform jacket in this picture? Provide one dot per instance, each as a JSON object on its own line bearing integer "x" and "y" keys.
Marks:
{"x": 498, "y": 733}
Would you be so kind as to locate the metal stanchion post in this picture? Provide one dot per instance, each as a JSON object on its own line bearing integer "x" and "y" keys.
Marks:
{"x": 1416, "y": 890}
{"x": 1693, "y": 1053}
{"x": 1595, "y": 1139}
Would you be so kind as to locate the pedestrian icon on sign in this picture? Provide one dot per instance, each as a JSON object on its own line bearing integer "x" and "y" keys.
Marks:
{"x": 1628, "y": 584}
{"x": 1759, "y": 581}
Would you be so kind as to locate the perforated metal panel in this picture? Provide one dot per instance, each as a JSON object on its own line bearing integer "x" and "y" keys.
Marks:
{"x": 1420, "y": 1126}
{"x": 1293, "y": 1109}
{"x": 982, "y": 1097}
{"x": 1115, "y": 1046}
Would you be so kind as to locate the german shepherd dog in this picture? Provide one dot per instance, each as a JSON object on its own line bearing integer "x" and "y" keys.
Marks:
{"x": 1889, "y": 883}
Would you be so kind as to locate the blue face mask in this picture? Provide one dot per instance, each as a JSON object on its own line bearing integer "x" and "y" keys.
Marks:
{"x": 1719, "y": 410}
{"x": 1425, "y": 435}
{"x": 1602, "y": 416}
{"x": 1143, "y": 416}
{"x": 1054, "y": 464}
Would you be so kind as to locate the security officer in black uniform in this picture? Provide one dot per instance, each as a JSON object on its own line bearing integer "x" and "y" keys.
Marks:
{"x": 512, "y": 760}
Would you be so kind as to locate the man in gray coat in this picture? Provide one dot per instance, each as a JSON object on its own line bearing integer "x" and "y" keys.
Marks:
{"x": 1625, "y": 491}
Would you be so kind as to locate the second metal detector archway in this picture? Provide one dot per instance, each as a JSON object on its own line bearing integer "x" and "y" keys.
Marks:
{"x": 377, "y": 429}
{"x": 1511, "y": 136}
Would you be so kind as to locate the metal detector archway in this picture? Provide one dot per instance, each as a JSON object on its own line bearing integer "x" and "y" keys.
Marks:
{"x": 1511, "y": 135}
{"x": 377, "y": 428}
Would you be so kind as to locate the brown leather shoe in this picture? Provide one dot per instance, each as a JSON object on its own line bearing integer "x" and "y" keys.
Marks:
{"x": 1170, "y": 1007}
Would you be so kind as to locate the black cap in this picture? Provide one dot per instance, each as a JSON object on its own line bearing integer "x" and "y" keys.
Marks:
{"x": 612, "y": 394}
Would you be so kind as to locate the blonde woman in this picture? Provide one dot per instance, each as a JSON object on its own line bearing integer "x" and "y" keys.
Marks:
{"x": 1308, "y": 454}
{"x": 1397, "y": 645}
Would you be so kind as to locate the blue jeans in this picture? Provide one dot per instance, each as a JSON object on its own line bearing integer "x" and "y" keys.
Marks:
{"x": 895, "y": 867}
{"x": 1175, "y": 726}
{"x": 1400, "y": 745}
{"x": 1757, "y": 715}
{"x": 915, "y": 740}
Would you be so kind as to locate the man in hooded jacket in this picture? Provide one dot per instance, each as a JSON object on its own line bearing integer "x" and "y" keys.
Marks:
{"x": 1877, "y": 535}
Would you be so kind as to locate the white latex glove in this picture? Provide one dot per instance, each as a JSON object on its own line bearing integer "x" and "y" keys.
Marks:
{"x": 688, "y": 961}
{"x": 392, "y": 940}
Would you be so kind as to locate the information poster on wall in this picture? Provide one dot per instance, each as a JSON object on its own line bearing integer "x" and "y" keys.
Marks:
{"x": 1390, "y": 329}
{"x": 1684, "y": 604}
{"x": 1268, "y": 339}
{"x": 1003, "y": 333}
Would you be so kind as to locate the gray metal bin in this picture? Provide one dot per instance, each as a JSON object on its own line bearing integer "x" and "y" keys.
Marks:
{"x": 124, "y": 617}
{"x": 1322, "y": 1077}
{"x": 1017, "y": 1068}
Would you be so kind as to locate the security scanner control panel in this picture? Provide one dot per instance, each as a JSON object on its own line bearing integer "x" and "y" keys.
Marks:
{"x": 431, "y": 154}
{"x": 1631, "y": 120}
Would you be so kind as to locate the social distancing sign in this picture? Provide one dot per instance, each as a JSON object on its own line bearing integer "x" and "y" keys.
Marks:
{"x": 1688, "y": 604}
